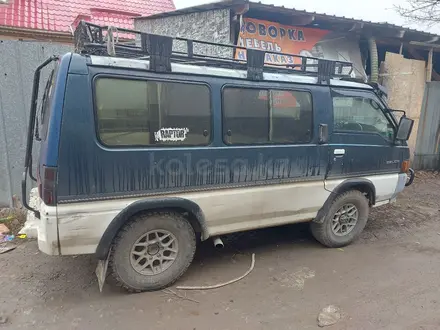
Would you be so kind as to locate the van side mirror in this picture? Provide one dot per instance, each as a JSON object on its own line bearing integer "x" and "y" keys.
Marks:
{"x": 323, "y": 133}
{"x": 404, "y": 129}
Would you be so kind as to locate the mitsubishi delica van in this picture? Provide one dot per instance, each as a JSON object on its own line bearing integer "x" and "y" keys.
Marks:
{"x": 145, "y": 150}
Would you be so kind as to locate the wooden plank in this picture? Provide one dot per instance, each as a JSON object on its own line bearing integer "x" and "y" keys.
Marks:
{"x": 425, "y": 44}
{"x": 414, "y": 53}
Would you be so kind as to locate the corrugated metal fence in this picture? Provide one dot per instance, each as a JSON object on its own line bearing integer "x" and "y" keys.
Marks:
{"x": 18, "y": 60}
{"x": 427, "y": 153}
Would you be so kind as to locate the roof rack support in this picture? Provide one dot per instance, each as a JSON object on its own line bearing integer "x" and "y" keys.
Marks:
{"x": 81, "y": 36}
{"x": 326, "y": 70}
{"x": 190, "y": 46}
{"x": 304, "y": 64}
{"x": 160, "y": 49}
{"x": 92, "y": 39}
{"x": 255, "y": 64}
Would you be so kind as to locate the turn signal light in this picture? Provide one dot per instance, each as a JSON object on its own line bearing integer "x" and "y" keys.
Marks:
{"x": 405, "y": 166}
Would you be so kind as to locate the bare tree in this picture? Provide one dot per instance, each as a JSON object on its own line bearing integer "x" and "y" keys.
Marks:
{"x": 423, "y": 11}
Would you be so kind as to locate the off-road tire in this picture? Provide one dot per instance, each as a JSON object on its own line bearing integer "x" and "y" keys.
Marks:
{"x": 119, "y": 263}
{"x": 323, "y": 232}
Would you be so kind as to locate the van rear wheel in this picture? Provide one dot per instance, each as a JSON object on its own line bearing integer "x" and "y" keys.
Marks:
{"x": 152, "y": 251}
{"x": 345, "y": 220}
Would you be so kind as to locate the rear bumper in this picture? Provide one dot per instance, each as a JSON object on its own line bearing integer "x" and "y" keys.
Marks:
{"x": 48, "y": 230}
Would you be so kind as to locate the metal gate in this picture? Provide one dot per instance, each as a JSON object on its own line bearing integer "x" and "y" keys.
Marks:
{"x": 427, "y": 152}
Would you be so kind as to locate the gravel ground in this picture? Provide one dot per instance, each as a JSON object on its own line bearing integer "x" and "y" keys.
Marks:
{"x": 386, "y": 280}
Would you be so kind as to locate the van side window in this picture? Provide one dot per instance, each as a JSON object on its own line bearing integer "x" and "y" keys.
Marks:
{"x": 360, "y": 114}
{"x": 46, "y": 104}
{"x": 150, "y": 113}
{"x": 262, "y": 116}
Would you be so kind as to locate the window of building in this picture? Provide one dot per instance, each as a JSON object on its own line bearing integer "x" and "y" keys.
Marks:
{"x": 262, "y": 116}
{"x": 361, "y": 114}
{"x": 150, "y": 113}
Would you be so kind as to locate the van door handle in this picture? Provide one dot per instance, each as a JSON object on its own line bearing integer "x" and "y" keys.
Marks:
{"x": 323, "y": 134}
{"x": 339, "y": 152}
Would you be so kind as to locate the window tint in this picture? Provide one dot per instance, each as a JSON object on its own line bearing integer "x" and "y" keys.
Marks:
{"x": 261, "y": 116}
{"x": 361, "y": 115}
{"x": 148, "y": 113}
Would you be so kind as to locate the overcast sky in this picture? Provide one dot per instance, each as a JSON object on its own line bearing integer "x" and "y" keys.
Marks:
{"x": 370, "y": 10}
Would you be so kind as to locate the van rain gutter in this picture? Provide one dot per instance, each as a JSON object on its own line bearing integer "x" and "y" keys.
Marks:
{"x": 30, "y": 135}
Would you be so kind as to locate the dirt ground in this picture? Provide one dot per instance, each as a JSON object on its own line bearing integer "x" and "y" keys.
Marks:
{"x": 389, "y": 279}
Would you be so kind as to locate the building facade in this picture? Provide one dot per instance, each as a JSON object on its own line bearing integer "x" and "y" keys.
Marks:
{"x": 403, "y": 60}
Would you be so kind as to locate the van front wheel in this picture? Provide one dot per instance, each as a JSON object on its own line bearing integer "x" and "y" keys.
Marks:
{"x": 152, "y": 251}
{"x": 345, "y": 220}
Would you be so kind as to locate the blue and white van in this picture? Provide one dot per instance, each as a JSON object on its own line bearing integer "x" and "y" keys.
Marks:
{"x": 144, "y": 151}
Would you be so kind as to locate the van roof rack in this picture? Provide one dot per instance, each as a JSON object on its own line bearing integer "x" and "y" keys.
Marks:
{"x": 161, "y": 51}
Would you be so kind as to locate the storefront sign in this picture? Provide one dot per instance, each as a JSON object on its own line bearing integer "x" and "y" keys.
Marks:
{"x": 279, "y": 38}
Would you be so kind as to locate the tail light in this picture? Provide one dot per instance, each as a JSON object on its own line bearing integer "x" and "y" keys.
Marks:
{"x": 47, "y": 185}
{"x": 405, "y": 166}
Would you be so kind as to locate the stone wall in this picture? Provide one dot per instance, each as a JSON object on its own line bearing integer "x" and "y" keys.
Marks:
{"x": 213, "y": 26}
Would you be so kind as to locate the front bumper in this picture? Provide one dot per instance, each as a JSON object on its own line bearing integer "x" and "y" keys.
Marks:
{"x": 410, "y": 178}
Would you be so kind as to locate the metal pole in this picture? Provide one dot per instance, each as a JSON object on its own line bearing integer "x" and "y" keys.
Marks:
{"x": 429, "y": 66}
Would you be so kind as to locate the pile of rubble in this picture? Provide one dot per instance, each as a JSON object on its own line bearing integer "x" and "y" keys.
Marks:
{"x": 11, "y": 222}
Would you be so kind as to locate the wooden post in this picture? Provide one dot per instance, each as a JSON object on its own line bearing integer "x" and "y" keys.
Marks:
{"x": 429, "y": 66}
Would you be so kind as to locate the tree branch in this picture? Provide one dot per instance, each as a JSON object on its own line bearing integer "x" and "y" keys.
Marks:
{"x": 422, "y": 11}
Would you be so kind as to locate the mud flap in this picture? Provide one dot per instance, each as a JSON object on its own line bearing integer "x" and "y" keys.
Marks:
{"x": 101, "y": 272}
